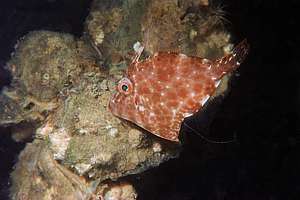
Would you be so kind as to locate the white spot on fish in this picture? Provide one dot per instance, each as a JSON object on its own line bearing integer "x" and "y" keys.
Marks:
{"x": 204, "y": 100}
{"x": 187, "y": 114}
{"x": 174, "y": 111}
{"x": 217, "y": 83}
{"x": 205, "y": 61}
{"x": 141, "y": 108}
{"x": 237, "y": 63}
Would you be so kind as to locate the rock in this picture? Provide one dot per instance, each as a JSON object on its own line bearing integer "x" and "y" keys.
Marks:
{"x": 107, "y": 148}
{"x": 38, "y": 176}
{"x": 121, "y": 191}
{"x": 60, "y": 87}
{"x": 44, "y": 66}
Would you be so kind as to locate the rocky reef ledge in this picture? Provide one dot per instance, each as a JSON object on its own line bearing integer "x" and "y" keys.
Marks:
{"x": 61, "y": 87}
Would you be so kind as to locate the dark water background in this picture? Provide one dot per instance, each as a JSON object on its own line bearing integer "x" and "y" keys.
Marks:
{"x": 261, "y": 108}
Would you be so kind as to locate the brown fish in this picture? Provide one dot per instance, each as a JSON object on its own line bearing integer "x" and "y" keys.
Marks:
{"x": 159, "y": 92}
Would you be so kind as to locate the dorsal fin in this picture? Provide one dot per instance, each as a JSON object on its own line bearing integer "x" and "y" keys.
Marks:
{"x": 138, "y": 49}
{"x": 230, "y": 62}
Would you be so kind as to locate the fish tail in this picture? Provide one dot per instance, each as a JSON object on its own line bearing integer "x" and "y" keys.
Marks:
{"x": 230, "y": 62}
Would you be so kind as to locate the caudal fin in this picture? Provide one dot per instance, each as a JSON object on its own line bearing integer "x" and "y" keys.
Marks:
{"x": 231, "y": 61}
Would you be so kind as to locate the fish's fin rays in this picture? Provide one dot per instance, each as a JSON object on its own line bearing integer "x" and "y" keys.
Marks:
{"x": 138, "y": 49}
{"x": 241, "y": 50}
{"x": 230, "y": 62}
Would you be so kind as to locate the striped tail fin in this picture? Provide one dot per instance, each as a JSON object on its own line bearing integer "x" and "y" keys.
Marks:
{"x": 230, "y": 62}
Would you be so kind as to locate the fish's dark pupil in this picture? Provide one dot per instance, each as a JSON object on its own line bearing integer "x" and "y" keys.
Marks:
{"x": 124, "y": 88}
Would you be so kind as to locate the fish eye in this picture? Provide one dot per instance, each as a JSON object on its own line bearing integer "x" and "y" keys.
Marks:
{"x": 125, "y": 86}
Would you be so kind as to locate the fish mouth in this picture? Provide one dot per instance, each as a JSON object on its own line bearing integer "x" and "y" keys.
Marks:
{"x": 116, "y": 105}
{"x": 113, "y": 103}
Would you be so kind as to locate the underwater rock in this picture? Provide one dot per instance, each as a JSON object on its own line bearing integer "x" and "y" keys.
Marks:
{"x": 44, "y": 62}
{"x": 38, "y": 176}
{"x": 80, "y": 136}
{"x": 10, "y": 111}
{"x": 44, "y": 65}
{"x": 192, "y": 27}
{"x": 103, "y": 23}
{"x": 180, "y": 26}
{"x": 162, "y": 29}
{"x": 119, "y": 191}
{"x": 120, "y": 23}
{"x": 87, "y": 138}
{"x": 60, "y": 87}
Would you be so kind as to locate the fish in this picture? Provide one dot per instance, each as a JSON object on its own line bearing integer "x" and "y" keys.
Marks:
{"x": 158, "y": 93}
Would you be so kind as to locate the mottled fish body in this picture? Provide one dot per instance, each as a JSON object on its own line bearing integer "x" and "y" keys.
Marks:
{"x": 159, "y": 92}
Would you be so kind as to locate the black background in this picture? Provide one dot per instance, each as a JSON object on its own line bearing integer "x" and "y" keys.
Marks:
{"x": 261, "y": 108}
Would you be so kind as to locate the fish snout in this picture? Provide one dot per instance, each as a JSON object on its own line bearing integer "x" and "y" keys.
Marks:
{"x": 113, "y": 104}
